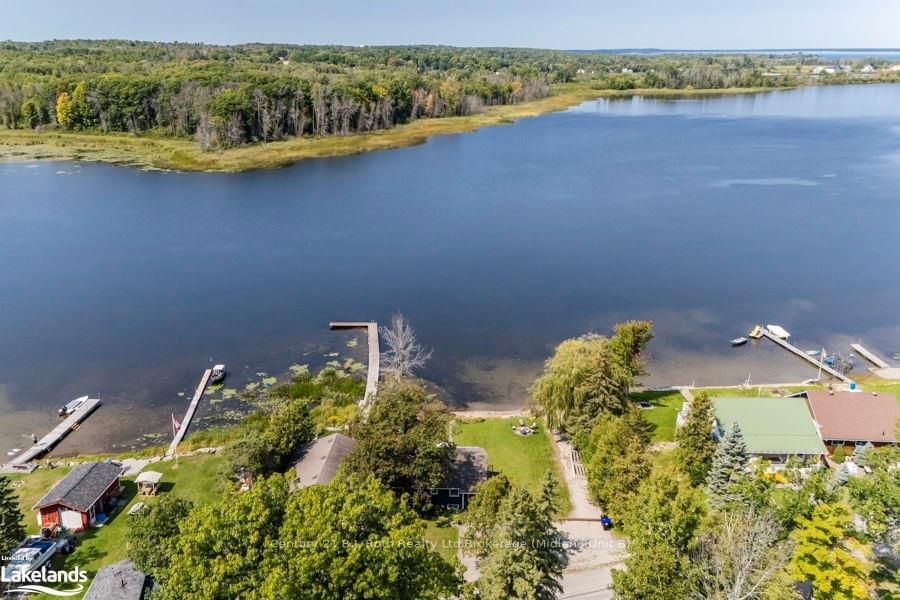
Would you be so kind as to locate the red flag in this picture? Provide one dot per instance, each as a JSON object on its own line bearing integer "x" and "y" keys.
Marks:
{"x": 175, "y": 426}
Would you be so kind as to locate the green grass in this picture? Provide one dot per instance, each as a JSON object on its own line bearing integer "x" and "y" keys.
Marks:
{"x": 663, "y": 460}
{"x": 195, "y": 478}
{"x": 445, "y": 540}
{"x": 524, "y": 460}
{"x": 753, "y": 392}
{"x": 870, "y": 383}
{"x": 663, "y": 414}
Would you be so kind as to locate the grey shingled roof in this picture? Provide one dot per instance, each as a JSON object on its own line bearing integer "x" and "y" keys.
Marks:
{"x": 470, "y": 467}
{"x": 321, "y": 459}
{"x": 108, "y": 583}
{"x": 82, "y": 486}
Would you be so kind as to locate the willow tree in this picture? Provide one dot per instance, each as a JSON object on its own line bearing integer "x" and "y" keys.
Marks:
{"x": 592, "y": 374}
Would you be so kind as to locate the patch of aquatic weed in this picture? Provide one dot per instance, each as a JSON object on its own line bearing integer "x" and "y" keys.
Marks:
{"x": 299, "y": 370}
{"x": 352, "y": 343}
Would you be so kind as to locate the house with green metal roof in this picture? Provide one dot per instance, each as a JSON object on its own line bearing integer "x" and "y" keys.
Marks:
{"x": 774, "y": 428}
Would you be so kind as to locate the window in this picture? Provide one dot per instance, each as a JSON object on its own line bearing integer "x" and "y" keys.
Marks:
{"x": 453, "y": 506}
{"x": 454, "y": 492}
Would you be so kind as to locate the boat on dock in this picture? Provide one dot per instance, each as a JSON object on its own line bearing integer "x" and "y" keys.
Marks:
{"x": 218, "y": 374}
{"x": 72, "y": 406}
{"x": 739, "y": 341}
{"x": 779, "y": 332}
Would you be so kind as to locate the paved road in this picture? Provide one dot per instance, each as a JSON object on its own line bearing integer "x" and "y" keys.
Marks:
{"x": 592, "y": 584}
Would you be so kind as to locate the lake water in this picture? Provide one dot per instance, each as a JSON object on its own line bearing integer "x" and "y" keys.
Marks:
{"x": 706, "y": 216}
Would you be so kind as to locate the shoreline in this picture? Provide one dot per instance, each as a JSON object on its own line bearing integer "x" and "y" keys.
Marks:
{"x": 183, "y": 155}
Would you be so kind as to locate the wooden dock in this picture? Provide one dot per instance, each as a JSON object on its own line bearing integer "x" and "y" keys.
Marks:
{"x": 46, "y": 443}
{"x": 811, "y": 360}
{"x": 192, "y": 408}
{"x": 373, "y": 370}
{"x": 869, "y": 356}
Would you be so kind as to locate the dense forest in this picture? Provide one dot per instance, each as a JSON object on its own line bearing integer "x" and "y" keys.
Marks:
{"x": 225, "y": 96}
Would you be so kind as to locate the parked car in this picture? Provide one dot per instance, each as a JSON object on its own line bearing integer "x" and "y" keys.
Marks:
{"x": 606, "y": 522}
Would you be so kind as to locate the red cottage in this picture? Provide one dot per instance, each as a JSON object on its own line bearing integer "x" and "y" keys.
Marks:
{"x": 85, "y": 493}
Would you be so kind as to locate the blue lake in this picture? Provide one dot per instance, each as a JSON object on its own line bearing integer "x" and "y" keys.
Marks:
{"x": 704, "y": 215}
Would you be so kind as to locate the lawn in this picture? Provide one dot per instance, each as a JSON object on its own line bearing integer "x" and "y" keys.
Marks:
{"x": 195, "y": 478}
{"x": 445, "y": 540}
{"x": 753, "y": 392}
{"x": 663, "y": 414}
{"x": 524, "y": 460}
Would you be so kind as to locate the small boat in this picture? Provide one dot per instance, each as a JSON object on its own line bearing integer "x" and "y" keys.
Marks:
{"x": 756, "y": 332}
{"x": 778, "y": 331}
{"x": 739, "y": 341}
{"x": 218, "y": 374}
{"x": 813, "y": 352}
{"x": 72, "y": 406}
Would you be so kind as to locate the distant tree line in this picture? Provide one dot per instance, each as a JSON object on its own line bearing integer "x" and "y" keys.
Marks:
{"x": 226, "y": 96}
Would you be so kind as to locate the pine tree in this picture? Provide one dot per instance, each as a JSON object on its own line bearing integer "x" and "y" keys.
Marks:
{"x": 11, "y": 529}
{"x": 696, "y": 447}
{"x": 526, "y": 559}
{"x": 728, "y": 465}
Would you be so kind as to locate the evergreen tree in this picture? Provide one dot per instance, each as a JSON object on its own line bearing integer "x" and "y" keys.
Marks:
{"x": 526, "y": 559}
{"x": 480, "y": 518}
{"x": 11, "y": 529}
{"x": 729, "y": 464}
{"x": 696, "y": 446}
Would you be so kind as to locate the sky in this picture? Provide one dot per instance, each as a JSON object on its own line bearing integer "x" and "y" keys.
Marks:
{"x": 563, "y": 24}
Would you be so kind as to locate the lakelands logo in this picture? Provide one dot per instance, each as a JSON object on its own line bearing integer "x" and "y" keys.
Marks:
{"x": 32, "y": 581}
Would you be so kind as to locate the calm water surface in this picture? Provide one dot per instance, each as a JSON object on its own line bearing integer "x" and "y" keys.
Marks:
{"x": 705, "y": 216}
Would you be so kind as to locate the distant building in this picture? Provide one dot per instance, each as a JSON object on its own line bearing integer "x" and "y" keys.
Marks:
{"x": 320, "y": 459}
{"x": 81, "y": 498}
{"x": 118, "y": 581}
{"x": 854, "y": 418}
{"x": 773, "y": 428}
{"x": 627, "y": 71}
{"x": 470, "y": 467}
{"x": 867, "y": 69}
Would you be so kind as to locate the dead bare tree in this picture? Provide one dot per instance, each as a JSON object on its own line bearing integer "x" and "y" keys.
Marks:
{"x": 740, "y": 557}
{"x": 404, "y": 353}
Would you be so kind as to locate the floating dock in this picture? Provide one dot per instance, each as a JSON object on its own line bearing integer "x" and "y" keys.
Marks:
{"x": 46, "y": 443}
{"x": 192, "y": 408}
{"x": 373, "y": 370}
{"x": 811, "y": 360}
{"x": 869, "y": 356}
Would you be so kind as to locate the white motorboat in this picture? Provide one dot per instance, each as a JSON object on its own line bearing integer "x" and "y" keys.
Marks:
{"x": 739, "y": 341}
{"x": 778, "y": 331}
{"x": 218, "y": 374}
{"x": 72, "y": 406}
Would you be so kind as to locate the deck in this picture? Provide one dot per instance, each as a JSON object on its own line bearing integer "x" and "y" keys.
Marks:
{"x": 46, "y": 443}
{"x": 192, "y": 408}
{"x": 374, "y": 368}
{"x": 800, "y": 353}
{"x": 869, "y": 356}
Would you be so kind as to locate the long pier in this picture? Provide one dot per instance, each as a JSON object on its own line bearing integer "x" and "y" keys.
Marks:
{"x": 869, "y": 356}
{"x": 192, "y": 408}
{"x": 797, "y": 351}
{"x": 374, "y": 368}
{"x": 46, "y": 443}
